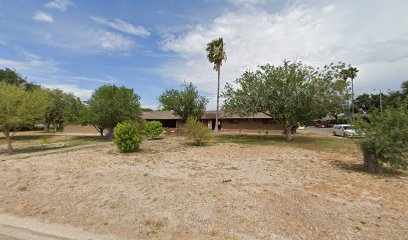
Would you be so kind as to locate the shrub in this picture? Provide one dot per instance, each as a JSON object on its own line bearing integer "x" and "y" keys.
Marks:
{"x": 127, "y": 138}
{"x": 197, "y": 131}
{"x": 385, "y": 139}
{"x": 153, "y": 129}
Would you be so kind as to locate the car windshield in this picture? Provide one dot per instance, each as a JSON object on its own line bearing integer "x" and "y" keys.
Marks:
{"x": 348, "y": 127}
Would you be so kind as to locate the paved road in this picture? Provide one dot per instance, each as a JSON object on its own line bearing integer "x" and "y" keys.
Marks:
{"x": 18, "y": 228}
{"x": 323, "y": 131}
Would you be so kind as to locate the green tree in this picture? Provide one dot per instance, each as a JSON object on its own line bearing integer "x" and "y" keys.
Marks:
{"x": 333, "y": 89}
{"x": 368, "y": 103}
{"x": 10, "y": 76}
{"x": 404, "y": 88}
{"x": 216, "y": 54}
{"x": 127, "y": 138}
{"x": 147, "y": 110}
{"x": 291, "y": 93}
{"x": 110, "y": 105}
{"x": 385, "y": 139}
{"x": 63, "y": 108}
{"x": 153, "y": 129}
{"x": 197, "y": 131}
{"x": 184, "y": 103}
{"x": 19, "y": 108}
{"x": 350, "y": 73}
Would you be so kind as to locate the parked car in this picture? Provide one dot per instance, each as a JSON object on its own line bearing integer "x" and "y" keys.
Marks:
{"x": 345, "y": 130}
{"x": 320, "y": 125}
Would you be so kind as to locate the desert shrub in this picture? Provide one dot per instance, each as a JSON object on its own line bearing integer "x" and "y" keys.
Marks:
{"x": 197, "y": 131}
{"x": 385, "y": 139}
{"x": 127, "y": 138}
{"x": 153, "y": 129}
{"x": 140, "y": 125}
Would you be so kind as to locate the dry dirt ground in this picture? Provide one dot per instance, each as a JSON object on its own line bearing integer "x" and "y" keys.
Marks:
{"x": 171, "y": 190}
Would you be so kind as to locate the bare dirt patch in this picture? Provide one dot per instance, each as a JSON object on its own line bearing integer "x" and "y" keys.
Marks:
{"x": 173, "y": 190}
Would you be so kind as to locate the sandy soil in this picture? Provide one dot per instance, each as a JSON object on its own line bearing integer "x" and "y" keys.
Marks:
{"x": 171, "y": 190}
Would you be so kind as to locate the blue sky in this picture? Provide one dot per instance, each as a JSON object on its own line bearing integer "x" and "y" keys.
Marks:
{"x": 155, "y": 45}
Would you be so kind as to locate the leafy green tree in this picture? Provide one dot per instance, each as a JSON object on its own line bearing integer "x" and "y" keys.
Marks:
{"x": 404, "y": 88}
{"x": 184, "y": 103}
{"x": 110, "y": 105}
{"x": 19, "y": 108}
{"x": 10, "y": 76}
{"x": 73, "y": 110}
{"x": 197, "y": 131}
{"x": 385, "y": 139}
{"x": 368, "y": 103}
{"x": 147, "y": 110}
{"x": 153, "y": 129}
{"x": 216, "y": 54}
{"x": 291, "y": 93}
{"x": 63, "y": 108}
{"x": 333, "y": 89}
{"x": 350, "y": 73}
{"x": 127, "y": 138}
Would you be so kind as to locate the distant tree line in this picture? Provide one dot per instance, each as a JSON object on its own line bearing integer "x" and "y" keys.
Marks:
{"x": 369, "y": 103}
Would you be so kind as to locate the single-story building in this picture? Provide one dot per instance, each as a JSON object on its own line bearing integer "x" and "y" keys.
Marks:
{"x": 258, "y": 123}
{"x": 230, "y": 123}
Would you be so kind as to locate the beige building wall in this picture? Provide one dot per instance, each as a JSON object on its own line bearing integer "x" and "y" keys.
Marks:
{"x": 253, "y": 124}
{"x": 80, "y": 129}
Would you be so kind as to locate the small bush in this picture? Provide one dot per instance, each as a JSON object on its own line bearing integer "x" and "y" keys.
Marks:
{"x": 385, "y": 139}
{"x": 140, "y": 125}
{"x": 153, "y": 129}
{"x": 127, "y": 138}
{"x": 197, "y": 131}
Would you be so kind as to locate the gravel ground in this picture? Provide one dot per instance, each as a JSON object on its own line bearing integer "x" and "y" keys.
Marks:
{"x": 171, "y": 190}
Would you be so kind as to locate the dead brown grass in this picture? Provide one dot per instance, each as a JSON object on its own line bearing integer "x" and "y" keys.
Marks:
{"x": 173, "y": 190}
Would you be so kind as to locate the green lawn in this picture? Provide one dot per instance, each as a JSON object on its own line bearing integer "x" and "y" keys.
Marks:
{"x": 323, "y": 143}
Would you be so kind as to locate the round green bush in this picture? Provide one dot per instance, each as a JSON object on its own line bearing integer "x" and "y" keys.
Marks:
{"x": 127, "y": 138}
{"x": 153, "y": 129}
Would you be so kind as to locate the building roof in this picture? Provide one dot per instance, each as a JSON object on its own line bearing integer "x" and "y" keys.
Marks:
{"x": 167, "y": 115}
{"x": 159, "y": 115}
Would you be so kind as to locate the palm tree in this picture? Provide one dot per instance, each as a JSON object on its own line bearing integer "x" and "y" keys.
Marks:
{"x": 351, "y": 73}
{"x": 216, "y": 54}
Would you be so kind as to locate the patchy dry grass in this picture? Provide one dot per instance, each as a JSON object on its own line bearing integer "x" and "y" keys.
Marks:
{"x": 304, "y": 141}
{"x": 261, "y": 188}
{"x": 30, "y": 142}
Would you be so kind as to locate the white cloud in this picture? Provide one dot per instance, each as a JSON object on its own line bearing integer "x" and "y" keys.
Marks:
{"x": 106, "y": 80}
{"x": 61, "y": 5}
{"x": 43, "y": 17}
{"x": 111, "y": 41}
{"x": 122, "y": 26}
{"x": 32, "y": 65}
{"x": 82, "y": 93}
{"x": 47, "y": 73}
{"x": 313, "y": 31}
{"x": 248, "y": 2}
{"x": 89, "y": 40}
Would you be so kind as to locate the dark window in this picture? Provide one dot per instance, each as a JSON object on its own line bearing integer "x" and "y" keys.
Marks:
{"x": 169, "y": 123}
{"x": 234, "y": 121}
{"x": 268, "y": 121}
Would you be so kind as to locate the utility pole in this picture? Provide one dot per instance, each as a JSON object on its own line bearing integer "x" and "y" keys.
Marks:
{"x": 381, "y": 106}
{"x": 352, "y": 100}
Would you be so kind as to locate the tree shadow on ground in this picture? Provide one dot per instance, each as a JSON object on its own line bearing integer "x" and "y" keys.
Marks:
{"x": 34, "y": 149}
{"x": 28, "y": 137}
{"x": 93, "y": 138}
{"x": 386, "y": 171}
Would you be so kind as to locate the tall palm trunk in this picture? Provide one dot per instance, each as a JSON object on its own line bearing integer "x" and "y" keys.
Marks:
{"x": 218, "y": 101}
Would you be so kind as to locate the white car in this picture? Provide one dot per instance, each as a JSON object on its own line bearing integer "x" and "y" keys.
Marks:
{"x": 344, "y": 130}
